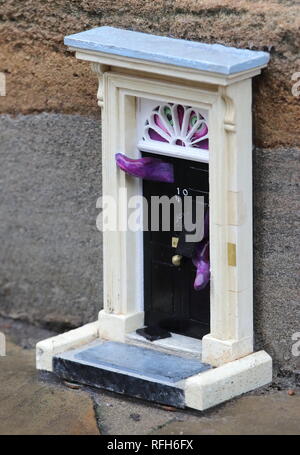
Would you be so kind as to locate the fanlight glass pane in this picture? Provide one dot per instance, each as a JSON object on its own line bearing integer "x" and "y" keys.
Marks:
{"x": 176, "y": 124}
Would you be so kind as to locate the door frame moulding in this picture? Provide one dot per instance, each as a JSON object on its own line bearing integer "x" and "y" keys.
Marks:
{"x": 126, "y": 90}
{"x": 231, "y": 297}
{"x": 161, "y": 69}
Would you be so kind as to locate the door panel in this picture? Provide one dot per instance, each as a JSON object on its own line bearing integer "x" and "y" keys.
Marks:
{"x": 169, "y": 296}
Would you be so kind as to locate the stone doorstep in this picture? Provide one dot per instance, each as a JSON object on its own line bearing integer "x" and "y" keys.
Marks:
{"x": 199, "y": 391}
{"x": 131, "y": 370}
{"x": 181, "y": 345}
{"x": 163, "y": 378}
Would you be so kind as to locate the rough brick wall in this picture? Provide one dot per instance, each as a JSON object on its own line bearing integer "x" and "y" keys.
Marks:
{"x": 43, "y": 76}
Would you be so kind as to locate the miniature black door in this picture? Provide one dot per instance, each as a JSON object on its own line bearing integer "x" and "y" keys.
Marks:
{"x": 170, "y": 300}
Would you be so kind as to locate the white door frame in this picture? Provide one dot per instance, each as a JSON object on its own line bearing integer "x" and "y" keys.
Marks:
{"x": 230, "y": 179}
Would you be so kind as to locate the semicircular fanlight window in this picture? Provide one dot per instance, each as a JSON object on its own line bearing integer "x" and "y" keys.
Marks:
{"x": 177, "y": 125}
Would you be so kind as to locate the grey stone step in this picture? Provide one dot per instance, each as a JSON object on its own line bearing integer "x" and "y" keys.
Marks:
{"x": 128, "y": 369}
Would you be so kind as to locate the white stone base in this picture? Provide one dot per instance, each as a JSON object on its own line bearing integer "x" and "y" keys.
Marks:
{"x": 115, "y": 327}
{"x": 220, "y": 384}
{"x": 47, "y": 349}
{"x": 217, "y": 352}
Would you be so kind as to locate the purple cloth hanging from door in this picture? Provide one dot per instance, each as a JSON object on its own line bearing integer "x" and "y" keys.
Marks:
{"x": 146, "y": 168}
{"x": 201, "y": 258}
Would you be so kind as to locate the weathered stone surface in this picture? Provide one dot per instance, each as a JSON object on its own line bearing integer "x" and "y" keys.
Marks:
{"x": 43, "y": 76}
{"x": 28, "y": 406}
{"x": 276, "y": 414}
{"x": 50, "y": 179}
{"x": 276, "y": 253}
{"x": 118, "y": 415}
{"x": 24, "y": 335}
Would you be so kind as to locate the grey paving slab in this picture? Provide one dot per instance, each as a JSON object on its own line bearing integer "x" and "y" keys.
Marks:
{"x": 130, "y": 370}
{"x": 31, "y": 407}
{"x": 269, "y": 414}
{"x": 141, "y": 361}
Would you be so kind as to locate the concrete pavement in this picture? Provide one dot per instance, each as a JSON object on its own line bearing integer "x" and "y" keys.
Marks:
{"x": 30, "y": 405}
